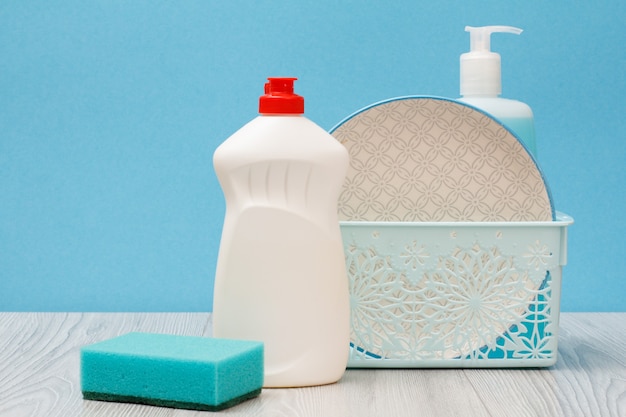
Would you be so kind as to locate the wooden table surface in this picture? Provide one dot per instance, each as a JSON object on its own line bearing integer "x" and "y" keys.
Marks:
{"x": 39, "y": 375}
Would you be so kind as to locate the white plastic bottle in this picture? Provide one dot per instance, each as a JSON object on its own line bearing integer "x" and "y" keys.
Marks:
{"x": 281, "y": 276}
{"x": 481, "y": 84}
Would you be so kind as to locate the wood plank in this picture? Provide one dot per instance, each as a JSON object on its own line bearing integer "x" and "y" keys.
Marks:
{"x": 39, "y": 355}
{"x": 589, "y": 378}
{"x": 39, "y": 375}
{"x": 590, "y": 374}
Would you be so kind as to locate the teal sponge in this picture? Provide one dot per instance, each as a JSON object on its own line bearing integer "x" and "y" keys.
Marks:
{"x": 197, "y": 373}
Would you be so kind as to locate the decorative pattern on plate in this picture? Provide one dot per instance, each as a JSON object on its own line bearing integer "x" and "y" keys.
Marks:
{"x": 431, "y": 159}
{"x": 423, "y": 294}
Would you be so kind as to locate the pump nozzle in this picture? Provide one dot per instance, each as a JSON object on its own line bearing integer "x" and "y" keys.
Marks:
{"x": 480, "y": 68}
{"x": 480, "y": 37}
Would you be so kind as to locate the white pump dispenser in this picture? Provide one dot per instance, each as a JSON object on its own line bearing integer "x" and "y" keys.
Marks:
{"x": 481, "y": 84}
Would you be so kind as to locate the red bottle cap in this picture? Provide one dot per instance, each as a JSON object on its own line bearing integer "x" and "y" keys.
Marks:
{"x": 279, "y": 97}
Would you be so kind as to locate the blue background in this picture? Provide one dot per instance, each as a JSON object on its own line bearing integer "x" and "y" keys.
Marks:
{"x": 110, "y": 112}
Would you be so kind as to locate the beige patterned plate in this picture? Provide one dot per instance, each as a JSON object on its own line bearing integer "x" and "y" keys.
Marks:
{"x": 435, "y": 159}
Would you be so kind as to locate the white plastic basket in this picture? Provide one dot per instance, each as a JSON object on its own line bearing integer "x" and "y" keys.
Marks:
{"x": 455, "y": 294}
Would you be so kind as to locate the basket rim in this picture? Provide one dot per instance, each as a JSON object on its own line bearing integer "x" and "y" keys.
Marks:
{"x": 561, "y": 220}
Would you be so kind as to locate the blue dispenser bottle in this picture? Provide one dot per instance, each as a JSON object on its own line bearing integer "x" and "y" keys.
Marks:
{"x": 481, "y": 85}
